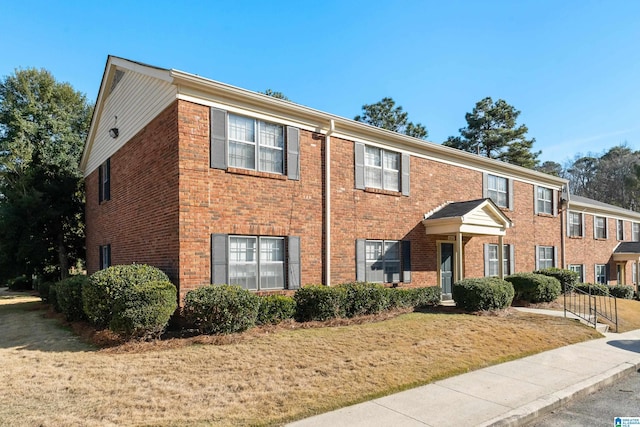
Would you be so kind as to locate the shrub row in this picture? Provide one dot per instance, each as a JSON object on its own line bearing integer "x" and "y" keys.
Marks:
{"x": 486, "y": 293}
{"x": 222, "y": 309}
{"x": 565, "y": 277}
{"x": 132, "y": 300}
{"x": 533, "y": 287}
{"x": 622, "y": 291}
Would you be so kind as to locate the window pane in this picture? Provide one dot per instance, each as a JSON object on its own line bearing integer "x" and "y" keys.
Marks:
{"x": 272, "y": 275}
{"x": 242, "y": 155}
{"x": 392, "y": 250}
{"x": 271, "y": 250}
{"x": 372, "y": 156}
{"x": 391, "y": 160}
{"x": 391, "y": 271}
{"x": 391, "y": 180}
{"x": 271, "y": 135}
{"x": 242, "y": 249}
{"x": 242, "y": 262}
{"x": 372, "y": 177}
{"x": 243, "y": 275}
{"x": 241, "y": 129}
{"x": 271, "y": 160}
{"x": 373, "y": 250}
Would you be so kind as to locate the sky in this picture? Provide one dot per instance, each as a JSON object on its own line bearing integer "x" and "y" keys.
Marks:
{"x": 571, "y": 67}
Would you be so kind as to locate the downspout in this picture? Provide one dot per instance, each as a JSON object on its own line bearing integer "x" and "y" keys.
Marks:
{"x": 327, "y": 203}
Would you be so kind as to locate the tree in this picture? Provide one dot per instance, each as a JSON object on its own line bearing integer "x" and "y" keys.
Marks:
{"x": 491, "y": 131}
{"x": 550, "y": 167}
{"x": 275, "y": 94}
{"x": 43, "y": 125}
{"x": 384, "y": 114}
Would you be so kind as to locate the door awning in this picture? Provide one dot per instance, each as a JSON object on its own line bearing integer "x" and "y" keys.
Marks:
{"x": 627, "y": 251}
{"x": 477, "y": 217}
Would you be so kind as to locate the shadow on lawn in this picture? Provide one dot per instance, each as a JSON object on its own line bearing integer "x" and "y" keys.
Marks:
{"x": 24, "y": 326}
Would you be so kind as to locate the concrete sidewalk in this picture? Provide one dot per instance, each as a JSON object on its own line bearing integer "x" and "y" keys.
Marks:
{"x": 509, "y": 394}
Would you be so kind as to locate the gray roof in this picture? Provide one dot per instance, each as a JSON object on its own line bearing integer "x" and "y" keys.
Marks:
{"x": 628, "y": 248}
{"x": 593, "y": 202}
{"x": 457, "y": 209}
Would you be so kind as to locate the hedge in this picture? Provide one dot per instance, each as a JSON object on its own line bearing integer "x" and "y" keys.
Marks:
{"x": 364, "y": 298}
{"x": 144, "y": 309}
{"x": 487, "y": 293}
{"x": 565, "y": 277}
{"x": 275, "y": 308}
{"x": 593, "y": 288}
{"x": 20, "y": 283}
{"x": 622, "y": 291}
{"x": 534, "y": 287}
{"x": 105, "y": 287}
{"x": 69, "y": 297}
{"x": 221, "y": 309}
{"x": 319, "y": 302}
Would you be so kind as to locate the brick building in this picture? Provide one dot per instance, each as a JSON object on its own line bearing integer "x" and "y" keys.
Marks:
{"x": 217, "y": 184}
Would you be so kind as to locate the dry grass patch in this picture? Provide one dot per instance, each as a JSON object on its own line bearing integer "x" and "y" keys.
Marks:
{"x": 262, "y": 377}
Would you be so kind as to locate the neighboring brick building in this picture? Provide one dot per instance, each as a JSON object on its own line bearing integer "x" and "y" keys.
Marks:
{"x": 212, "y": 184}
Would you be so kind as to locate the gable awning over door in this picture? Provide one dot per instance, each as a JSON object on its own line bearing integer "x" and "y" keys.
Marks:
{"x": 476, "y": 217}
{"x": 627, "y": 251}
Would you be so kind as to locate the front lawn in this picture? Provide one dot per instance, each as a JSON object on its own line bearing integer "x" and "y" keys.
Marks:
{"x": 264, "y": 376}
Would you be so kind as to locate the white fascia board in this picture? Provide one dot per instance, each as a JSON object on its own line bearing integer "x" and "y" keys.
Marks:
{"x": 614, "y": 212}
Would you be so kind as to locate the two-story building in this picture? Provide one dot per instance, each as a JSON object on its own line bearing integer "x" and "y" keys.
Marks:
{"x": 217, "y": 184}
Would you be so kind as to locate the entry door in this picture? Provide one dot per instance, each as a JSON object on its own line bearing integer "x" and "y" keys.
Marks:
{"x": 446, "y": 269}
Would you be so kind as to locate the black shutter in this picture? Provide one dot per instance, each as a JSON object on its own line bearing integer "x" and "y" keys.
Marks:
{"x": 100, "y": 189}
{"x": 293, "y": 265}
{"x": 361, "y": 264}
{"x": 219, "y": 265}
{"x": 218, "y": 131}
{"x": 405, "y": 179}
{"x": 406, "y": 261}
{"x": 101, "y": 258}
{"x": 359, "y": 159}
{"x": 107, "y": 184}
{"x": 293, "y": 153}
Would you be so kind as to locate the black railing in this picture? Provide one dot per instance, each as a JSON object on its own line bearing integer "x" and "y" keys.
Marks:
{"x": 588, "y": 306}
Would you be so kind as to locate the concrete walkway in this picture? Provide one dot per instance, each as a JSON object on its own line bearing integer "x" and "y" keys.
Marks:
{"x": 509, "y": 394}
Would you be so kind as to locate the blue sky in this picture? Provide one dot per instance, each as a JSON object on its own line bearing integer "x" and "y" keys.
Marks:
{"x": 571, "y": 67}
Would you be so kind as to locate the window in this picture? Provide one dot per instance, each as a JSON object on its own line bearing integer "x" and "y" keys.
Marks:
{"x": 575, "y": 224}
{"x": 546, "y": 257}
{"x": 104, "y": 181}
{"x": 635, "y": 227}
{"x": 256, "y": 262}
{"x": 620, "y": 229}
{"x": 381, "y": 169}
{"x": 383, "y": 261}
{"x": 105, "y": 257}
{"x": 578, "y": 269}
{"x": 600, "y": 227}
{"x": 246, "y": 143}
{"x": 254, "y": 144}
{"x": 492, "y": 260}
{"x": 601, "y": 273}
{"x": 634, "y": 273}
{"x": 498, "y": 190}
{"x": 545, "y": 201}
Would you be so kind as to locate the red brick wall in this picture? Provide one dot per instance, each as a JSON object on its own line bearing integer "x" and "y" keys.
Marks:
{"x": 140, "y": 221}
{"x": 244, "y": 202}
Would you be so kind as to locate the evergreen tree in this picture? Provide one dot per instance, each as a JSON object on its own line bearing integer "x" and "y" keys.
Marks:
{"x": 384, "y": 114}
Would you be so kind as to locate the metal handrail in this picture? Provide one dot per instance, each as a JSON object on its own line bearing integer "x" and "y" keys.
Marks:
{"x": 588, "y": 306}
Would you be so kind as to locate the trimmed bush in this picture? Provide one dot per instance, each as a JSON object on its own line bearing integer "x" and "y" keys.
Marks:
{"x": 487, "y": 293}
{"x": 400, "y": 297}
{"x": 106, "y": 286}
{"x": 144, "y": 309}
{"x": 43, "y": 290}
{"x": 594, "y": 288}
{"x": 534, "y": 287}
{"x": 275, "y": 308}
{"x": 364, "y": 298}
{"x": 20, "y": 283}
{"x": 622, "y": 291}
{"x": 221, "y": 309}
{"x": 318, "y": 302}
{"x": 425, "y": 297}
{"x": 69, "y": 297}
{"x": 565, "y": 277}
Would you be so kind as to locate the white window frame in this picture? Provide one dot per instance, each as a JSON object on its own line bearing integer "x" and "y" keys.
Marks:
{"x": 544, "y": 258}
{"x": 494, "y": 191}
{"x": 262, "y": 266}
{"x": 572, "y": 224}
{"x": 635, "y": 231}
{"x": 578, "y": 268}
{"x": 105, "y": 256}
{"x": 259, "y": 144}
{"x": 380, "y": 168}
{"x": 600, "y": 230}
{"x": 385, "y": 261}
{"x": 600, "y": 274}
{"x": 494, "y": 259}
{"x": 620, "y": 229}
{"x": 634, "y": 272}
{"x": 544, "y": 200}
